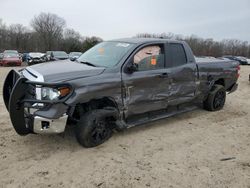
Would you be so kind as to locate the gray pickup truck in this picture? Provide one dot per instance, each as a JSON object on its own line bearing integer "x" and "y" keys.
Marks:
{"x": 116, "y": 85}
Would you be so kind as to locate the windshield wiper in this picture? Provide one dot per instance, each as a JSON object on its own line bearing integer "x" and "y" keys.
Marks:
{"x": 87, "y": 63}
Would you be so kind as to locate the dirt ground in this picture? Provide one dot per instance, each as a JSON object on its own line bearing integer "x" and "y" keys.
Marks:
{"x": 181, "y": 151}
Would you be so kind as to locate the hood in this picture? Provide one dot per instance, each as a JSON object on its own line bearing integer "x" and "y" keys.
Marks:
{"x": 63, "y": 71}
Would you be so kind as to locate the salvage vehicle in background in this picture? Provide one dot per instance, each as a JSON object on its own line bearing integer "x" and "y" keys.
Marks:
{"x": 74, "y": 55}
{"x": 248, "y": 61}
{"x": 48, "y": 55}
{"x": 35, "y": 57}
{"x": 58, "y": 55}
{"x": 241, "y": 60}
{"x": 25, "y": 57}
{"x": 116, "y": 85}
{"x": 10, "y": 58}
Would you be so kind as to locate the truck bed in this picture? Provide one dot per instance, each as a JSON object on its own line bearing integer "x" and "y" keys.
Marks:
{"x": 217, "y": 69}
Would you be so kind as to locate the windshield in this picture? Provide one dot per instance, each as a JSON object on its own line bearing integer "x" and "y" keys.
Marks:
{"x": 60, "y": 54}
{"x": 10, "y": 51}
{"x": 35, "y": 54}
{"x": 105, "y": 54}
{"x": 9, "y": 55}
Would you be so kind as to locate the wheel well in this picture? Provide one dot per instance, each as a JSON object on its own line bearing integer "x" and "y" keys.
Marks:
{"x": 220, "y": 82}
{"x": 101, "y": 103}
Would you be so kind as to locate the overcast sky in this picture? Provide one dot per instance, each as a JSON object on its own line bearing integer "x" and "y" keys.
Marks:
{"x": 108, "y": 19}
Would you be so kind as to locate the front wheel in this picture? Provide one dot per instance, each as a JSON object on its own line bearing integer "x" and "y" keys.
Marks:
{"x": 93, "y": 128}
{"x": 216, "y": 98}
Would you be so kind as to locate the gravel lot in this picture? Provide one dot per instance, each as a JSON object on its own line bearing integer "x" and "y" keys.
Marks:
{"x": 181, "y": 151}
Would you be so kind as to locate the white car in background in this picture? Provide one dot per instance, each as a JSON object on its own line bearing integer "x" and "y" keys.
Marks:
{"x": 248, "y": 61}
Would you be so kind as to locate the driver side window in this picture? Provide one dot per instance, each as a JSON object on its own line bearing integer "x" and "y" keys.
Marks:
{"x": 149, "y": 58}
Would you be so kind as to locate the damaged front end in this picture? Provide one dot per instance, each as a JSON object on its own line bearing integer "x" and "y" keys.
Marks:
{"x": 32, "y": 106}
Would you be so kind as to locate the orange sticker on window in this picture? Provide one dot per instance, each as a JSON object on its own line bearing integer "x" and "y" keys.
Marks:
{"x": 153, "y": 61}
{"x": 101, "y": 50}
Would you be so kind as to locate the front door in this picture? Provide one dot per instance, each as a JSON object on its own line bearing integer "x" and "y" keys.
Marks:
{"x": 147, "y": 88}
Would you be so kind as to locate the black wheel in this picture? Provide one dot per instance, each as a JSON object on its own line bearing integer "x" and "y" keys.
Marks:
{"x": 216, "y": 98}
{"x": 94, "y": 128}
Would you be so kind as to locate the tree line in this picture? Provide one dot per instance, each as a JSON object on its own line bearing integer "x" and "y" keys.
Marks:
{"x": 207, "y": 47}
{"x": 46, "y": 32}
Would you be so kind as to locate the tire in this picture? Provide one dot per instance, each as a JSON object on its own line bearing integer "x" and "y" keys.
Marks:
{"x": 216, "y": 98}
{"x": 93, "y": 128}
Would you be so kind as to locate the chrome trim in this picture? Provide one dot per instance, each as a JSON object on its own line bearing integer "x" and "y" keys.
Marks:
{"x": 55, "y": 125}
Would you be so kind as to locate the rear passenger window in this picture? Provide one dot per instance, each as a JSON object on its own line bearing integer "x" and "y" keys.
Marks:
{"x": 178, "y": 55}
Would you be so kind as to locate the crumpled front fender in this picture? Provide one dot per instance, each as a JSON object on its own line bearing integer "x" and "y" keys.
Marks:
{"x": 24, "y": 108}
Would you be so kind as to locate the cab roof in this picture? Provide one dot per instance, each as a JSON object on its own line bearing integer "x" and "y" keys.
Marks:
{"x": 143, "y": 40}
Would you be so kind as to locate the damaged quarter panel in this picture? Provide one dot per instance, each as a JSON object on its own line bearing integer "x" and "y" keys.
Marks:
{"x": 220, "y": 71}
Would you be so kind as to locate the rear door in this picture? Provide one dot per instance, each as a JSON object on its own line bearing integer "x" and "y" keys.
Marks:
{"x": 182, "y": 75}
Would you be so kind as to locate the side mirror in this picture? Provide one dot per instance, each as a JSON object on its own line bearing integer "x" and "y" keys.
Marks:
{"x": 132, "y": 67}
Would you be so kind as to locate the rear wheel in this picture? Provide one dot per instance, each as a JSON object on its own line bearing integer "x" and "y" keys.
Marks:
{"x": 216, "y": 98}
{"x": 94, "y": 128}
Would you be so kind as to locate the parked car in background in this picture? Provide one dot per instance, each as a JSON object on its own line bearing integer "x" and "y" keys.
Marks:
{"x": 74, "y": 55}
{"x": 48, "y": 55}
{"x": 223, "y": 58}
{"x": 25, "y": 57}
{"x": 11, "y": 51}
{"x": 248, "y": 61}
{"x": 56, "y": 55}
{"x": 10, "y": 58}
{"x": 1, "y": 57}
{"x": 36, "y": 57}
{"x": 241, "y": 60}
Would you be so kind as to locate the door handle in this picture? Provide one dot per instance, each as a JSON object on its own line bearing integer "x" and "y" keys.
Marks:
{"x": 163, "y": 75}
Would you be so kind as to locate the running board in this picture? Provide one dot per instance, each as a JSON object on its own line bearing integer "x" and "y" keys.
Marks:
{"x": 151, "y": 118}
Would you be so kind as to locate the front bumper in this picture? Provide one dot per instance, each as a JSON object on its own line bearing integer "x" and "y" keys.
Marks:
{"x": 28, "y": 114}
{"x": 49, "y": 126}
{"x": 11, "y": 63}
{"x": 34, "y": 61}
